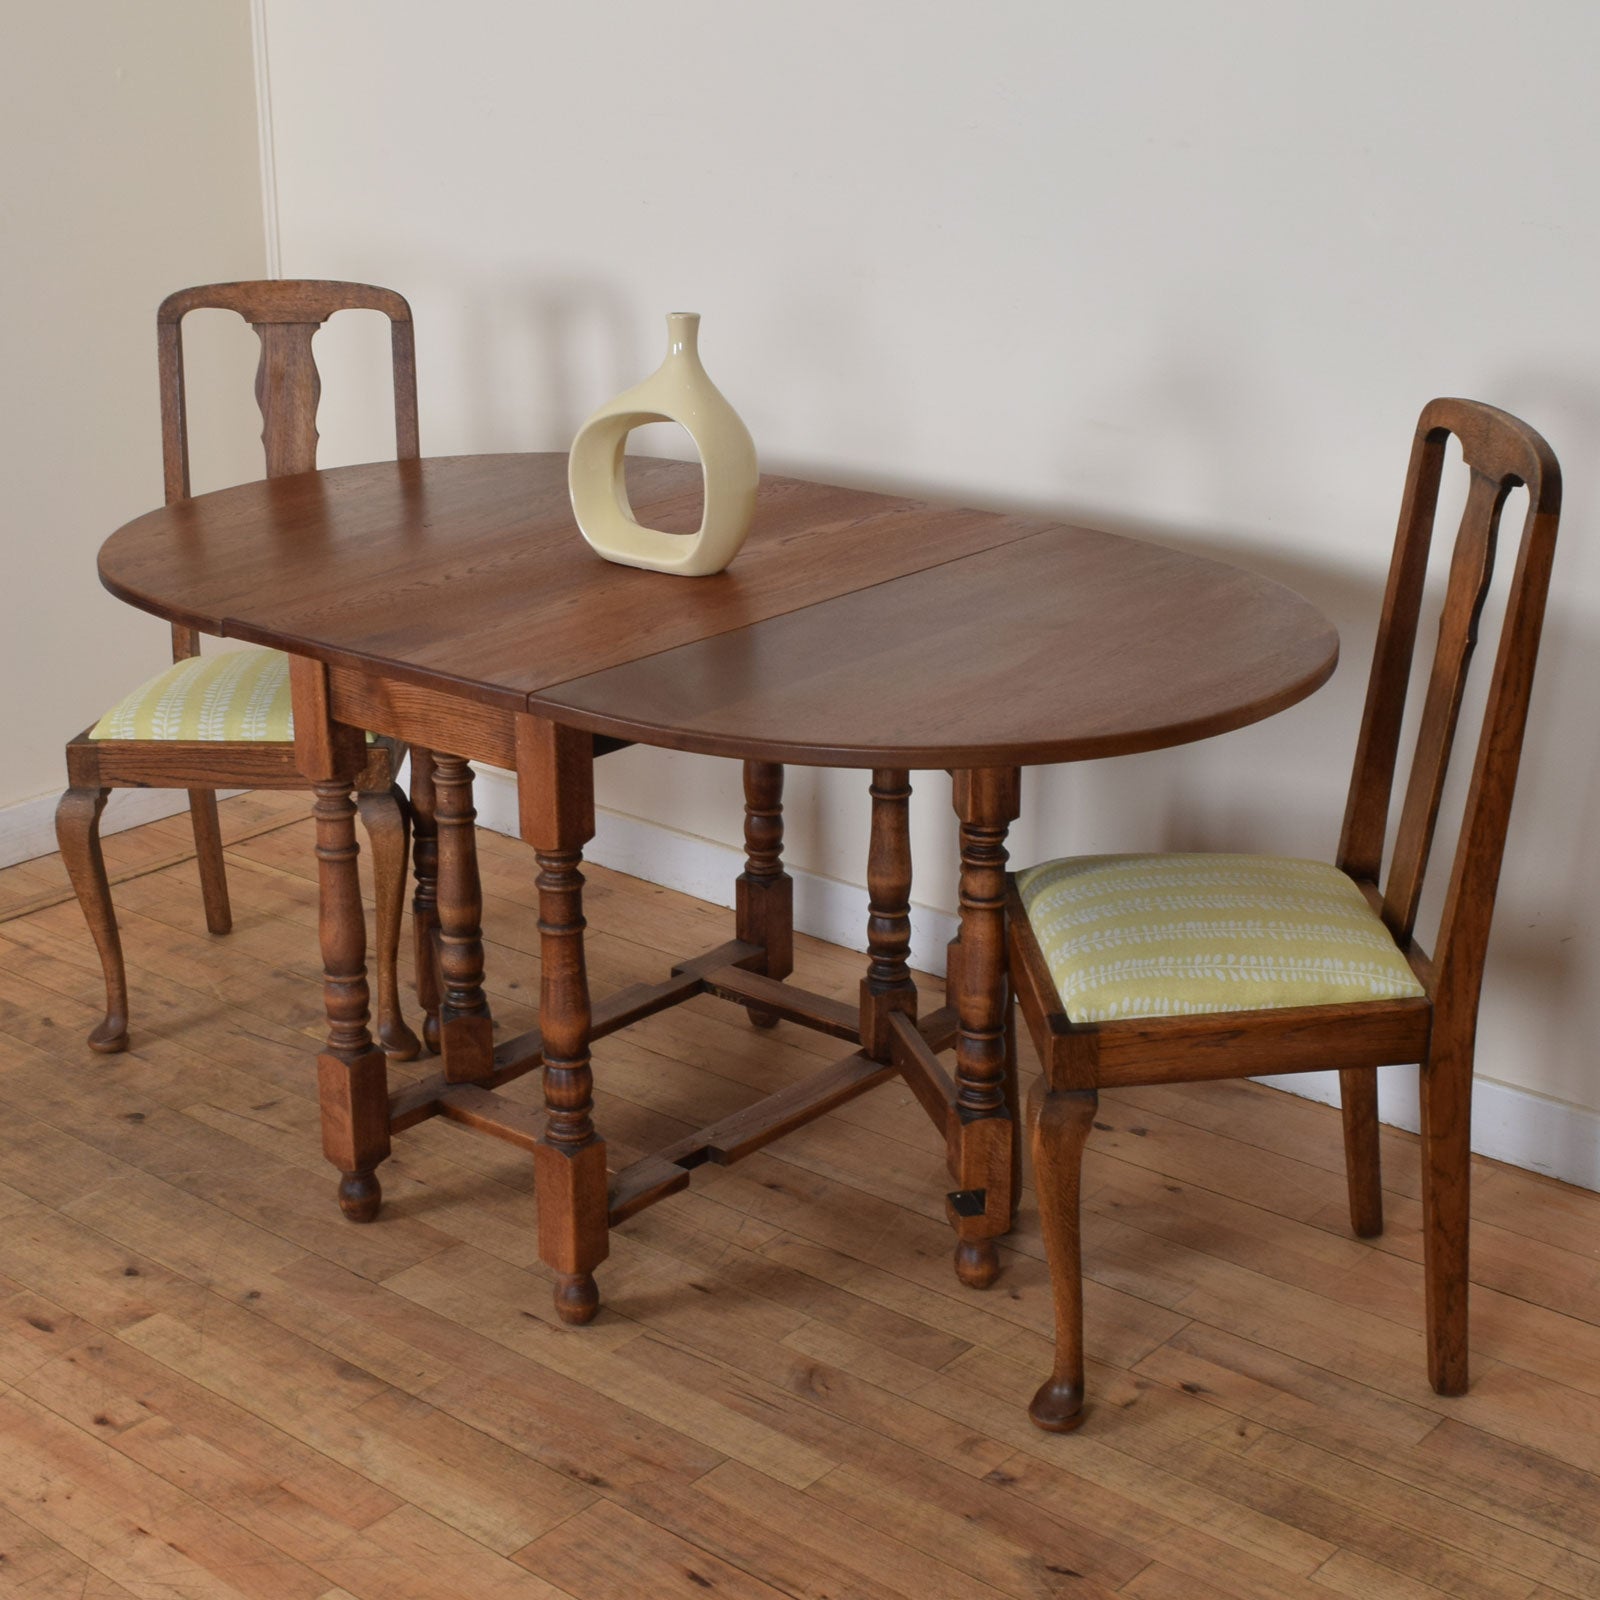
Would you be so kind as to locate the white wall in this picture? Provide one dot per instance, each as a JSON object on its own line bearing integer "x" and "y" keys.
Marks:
{"x": 131, "y": 169}
{"x": 1188, "y": 270}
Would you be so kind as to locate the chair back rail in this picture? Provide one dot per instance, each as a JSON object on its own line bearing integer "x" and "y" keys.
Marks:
{"x": 1501, "y": 454}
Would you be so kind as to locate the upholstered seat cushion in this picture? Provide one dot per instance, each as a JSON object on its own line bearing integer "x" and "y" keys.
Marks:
{"x": 238, "y": 697}
{"x": 1173, "y": 935}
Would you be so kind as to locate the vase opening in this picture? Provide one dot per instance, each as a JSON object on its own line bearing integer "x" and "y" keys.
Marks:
{"x": 646, "y": 444}
{"x": 683, "y": 333}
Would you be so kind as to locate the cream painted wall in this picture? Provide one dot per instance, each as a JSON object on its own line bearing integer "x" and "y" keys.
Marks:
{"x": 1186, "y": 270}
{"x": 131, "y": 168}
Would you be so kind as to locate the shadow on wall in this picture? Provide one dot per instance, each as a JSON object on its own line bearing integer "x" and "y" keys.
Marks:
{"x": 575, "y": 326}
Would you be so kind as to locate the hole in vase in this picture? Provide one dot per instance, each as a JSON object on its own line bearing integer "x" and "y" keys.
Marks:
{"x": 662, "y": 495}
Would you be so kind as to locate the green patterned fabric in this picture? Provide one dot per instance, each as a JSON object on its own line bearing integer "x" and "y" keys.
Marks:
{"x": 238, "y": 698}
{"x": 1175, "y": 935}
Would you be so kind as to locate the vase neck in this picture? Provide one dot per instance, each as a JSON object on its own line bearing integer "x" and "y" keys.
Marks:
{"x": 683, "y": 334}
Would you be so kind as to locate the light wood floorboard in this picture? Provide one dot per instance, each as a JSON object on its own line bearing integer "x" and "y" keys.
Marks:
{"x": 212, "y": 1386}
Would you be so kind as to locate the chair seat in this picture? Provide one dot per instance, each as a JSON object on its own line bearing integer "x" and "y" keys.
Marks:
{"x": 241, "y": 697}
{"x": 1176, "y": 935}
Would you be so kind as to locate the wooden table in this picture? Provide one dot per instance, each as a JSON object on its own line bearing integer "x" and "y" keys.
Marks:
{"x": 452, "y": 604}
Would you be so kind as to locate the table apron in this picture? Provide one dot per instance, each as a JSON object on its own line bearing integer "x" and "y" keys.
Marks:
{"x": 431, "y": 718}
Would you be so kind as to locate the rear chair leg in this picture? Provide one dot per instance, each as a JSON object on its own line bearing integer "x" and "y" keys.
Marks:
{"x": 1358, "y": 1101}
{"x": 1059, "y": 1126}
{"x": 78, "y": 834}
{"x": 385, "y": 816}
{"x": 1446, "y": 1213}
{"x": 208, "y": 855}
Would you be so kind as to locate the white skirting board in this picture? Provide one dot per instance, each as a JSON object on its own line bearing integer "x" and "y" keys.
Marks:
{"x": 28, "y": 828}
{"x": 1508, "y": 1124}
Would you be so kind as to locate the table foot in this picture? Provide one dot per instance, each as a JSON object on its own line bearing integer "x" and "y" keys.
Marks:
{"x": 1057, "y": 1407}
{"x": 360, "y": 1195}
{"x": 577, "y": 1297}
{"x": 977, "y": 1262}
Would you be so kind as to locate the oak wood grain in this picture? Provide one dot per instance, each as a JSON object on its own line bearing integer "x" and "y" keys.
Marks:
{"x": 297, "y": 562}
{"x": 1065, "y": 646}
{"x": 818, "y": 645}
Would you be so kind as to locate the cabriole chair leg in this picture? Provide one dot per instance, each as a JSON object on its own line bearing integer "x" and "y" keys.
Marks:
{"x": 1058, "y": 1126}
{"x": 78, "y": 834}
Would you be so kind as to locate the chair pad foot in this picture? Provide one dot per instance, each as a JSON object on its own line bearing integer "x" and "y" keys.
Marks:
{"x": 1057, "y": 1407}
{"x": 397, "y": 1041}
{"x": 109, "y": 1038}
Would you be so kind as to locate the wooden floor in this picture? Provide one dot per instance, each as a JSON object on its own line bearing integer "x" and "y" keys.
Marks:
{"x": 213, "y": 1386}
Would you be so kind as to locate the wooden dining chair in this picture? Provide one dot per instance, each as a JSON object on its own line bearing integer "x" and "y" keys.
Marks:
{"x": 1177, "y": 968}
{"x": 224, "y": 721}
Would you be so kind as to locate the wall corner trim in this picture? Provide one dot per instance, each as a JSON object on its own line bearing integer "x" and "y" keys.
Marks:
{"x": 265, "y": 137}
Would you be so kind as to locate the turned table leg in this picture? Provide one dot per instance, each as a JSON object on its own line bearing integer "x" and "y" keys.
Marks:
{"x": 352, "y": 1079}
{"x": 983, "y": 1145}
{"x": 555, "y": 775}
{"x": 764, "y": 904}
{"x": 887, "y": 987}
{"x": 425, "y": 901}
{"x": 466, "y": 1030}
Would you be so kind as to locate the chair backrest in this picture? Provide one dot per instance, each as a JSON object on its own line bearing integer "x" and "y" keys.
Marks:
{"x": 285, "y": 313}
{"x": 1501, "y": 454}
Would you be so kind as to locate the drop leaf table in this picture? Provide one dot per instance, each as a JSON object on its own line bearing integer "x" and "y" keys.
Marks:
{"x": 451, "y": 603}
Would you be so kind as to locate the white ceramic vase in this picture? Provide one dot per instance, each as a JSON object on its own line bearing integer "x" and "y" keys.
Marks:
{"x": 678, "y": 391}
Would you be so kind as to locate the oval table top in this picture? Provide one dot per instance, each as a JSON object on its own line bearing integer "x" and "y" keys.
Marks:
{"x": 854, "y": 629}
